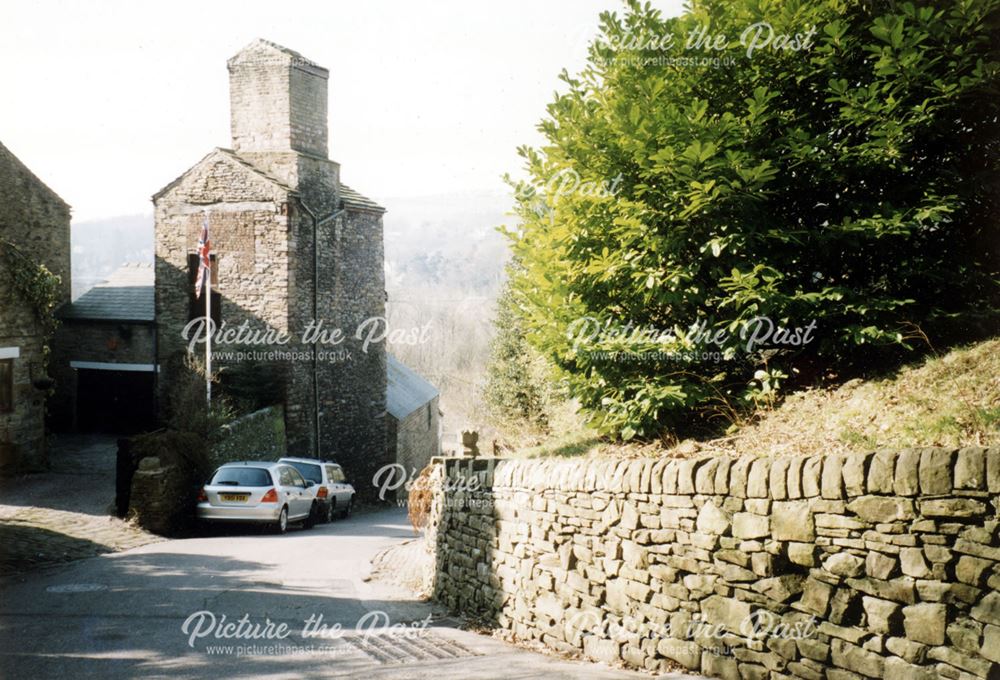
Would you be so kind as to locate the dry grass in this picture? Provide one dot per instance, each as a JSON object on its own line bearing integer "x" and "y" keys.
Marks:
{"x": 951, "y": 400}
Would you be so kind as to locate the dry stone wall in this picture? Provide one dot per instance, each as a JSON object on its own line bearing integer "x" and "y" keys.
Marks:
{"x": 256, "y": 436}
{"x": 882, "y": 565}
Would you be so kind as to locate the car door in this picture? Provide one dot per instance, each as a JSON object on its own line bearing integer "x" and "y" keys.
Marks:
{"x": 341, "y": 489}
{"x": 293, "y": 489}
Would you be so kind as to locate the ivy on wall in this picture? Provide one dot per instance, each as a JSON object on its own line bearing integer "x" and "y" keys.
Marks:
{"x": 36, "y": 285}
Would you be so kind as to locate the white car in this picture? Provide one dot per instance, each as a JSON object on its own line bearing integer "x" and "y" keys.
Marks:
{"x": 273, "y": 494}
{"x": 333, "y": 493}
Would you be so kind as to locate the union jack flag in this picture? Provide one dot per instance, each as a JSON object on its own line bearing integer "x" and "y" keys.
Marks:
{"x": 205, "y": 264}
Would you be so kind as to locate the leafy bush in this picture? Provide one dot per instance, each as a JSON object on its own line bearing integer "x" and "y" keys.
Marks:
{"x": 185, "y": 399}
{"x": 851, "y": 185}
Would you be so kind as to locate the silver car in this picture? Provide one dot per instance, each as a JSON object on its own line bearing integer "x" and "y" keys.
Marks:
{"x": 334, "y": 494}
{"x": 273, "y": 494}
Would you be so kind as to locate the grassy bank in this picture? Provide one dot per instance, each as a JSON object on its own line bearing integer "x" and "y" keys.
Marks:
{"x": 947, "y": 400}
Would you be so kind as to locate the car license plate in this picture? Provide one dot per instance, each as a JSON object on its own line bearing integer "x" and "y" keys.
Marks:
{"x": 237, "y": 497}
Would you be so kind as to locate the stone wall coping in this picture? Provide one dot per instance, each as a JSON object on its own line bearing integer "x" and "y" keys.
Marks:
{"x": 928, "y": 471}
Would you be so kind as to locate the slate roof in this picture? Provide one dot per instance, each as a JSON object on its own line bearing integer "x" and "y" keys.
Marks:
{"x": 353, "y": 199}
{"x": 407, "y": 390}
{"x": 127, "y": 295}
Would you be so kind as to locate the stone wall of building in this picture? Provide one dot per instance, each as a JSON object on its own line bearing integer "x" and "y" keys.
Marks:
{"x": 416, "y": 440}
{"x": 352, "y": 374}
{"x": 257, "y": 436}
{"x": 36, "y": 221}
{"x": 868, "y": 566}
{"x": 34, "y": 218}
{"x": 250, "y": 232}
{"x": 22, "y": 430}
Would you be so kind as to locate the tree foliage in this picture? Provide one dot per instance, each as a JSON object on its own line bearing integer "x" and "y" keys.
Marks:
{"x": 517, "y": 387}
{"x": 851, "y": 183}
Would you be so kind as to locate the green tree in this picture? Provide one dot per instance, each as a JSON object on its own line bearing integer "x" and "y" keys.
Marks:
{"x": 850, "y": 183}
{"x": 517, "y": 390}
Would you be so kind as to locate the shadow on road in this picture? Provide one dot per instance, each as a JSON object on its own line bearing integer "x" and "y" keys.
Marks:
{"x": 166, "y": 612}
{"x": 24, "y": 547}
{"x": 81, "y": 477}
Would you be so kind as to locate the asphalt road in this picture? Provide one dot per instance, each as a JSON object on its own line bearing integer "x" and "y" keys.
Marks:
{"x": 157, "y": 612}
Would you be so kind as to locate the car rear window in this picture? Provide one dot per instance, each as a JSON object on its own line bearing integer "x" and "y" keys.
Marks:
{"x": 335, "y": 473}
{"x": 308, "y": 470}
{"x": 242, "y": 476}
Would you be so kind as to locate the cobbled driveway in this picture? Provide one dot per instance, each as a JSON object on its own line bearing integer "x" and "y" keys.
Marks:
{"x": 64, "y": 514}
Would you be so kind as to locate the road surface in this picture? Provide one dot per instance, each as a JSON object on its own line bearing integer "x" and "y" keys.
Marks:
{"x": 157, "y": 612}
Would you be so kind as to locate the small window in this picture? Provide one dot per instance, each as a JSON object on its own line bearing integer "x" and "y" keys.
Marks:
{"x": 428, "y": 416}
{"x": 297, "y": 479}
{"x": 335, "y": 474}
{"x": 6, "y": 385}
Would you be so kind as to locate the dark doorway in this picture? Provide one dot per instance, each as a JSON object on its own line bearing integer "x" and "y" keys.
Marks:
{"x": 114, "y": 401}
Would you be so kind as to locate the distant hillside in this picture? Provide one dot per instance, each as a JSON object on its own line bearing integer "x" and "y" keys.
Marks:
{"x": 101, "y": 246}
{"x": 444, "y": 266}
{"x": 447, "y": 240}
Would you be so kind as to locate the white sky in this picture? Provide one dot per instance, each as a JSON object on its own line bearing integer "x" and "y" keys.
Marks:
{"x": 107, "y": 102}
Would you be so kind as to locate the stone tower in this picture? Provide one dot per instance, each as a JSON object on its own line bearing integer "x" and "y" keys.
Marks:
{"x": 292, "y": 244}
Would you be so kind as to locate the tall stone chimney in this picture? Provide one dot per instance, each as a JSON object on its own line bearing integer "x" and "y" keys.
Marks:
{"x": 278, "y": 101}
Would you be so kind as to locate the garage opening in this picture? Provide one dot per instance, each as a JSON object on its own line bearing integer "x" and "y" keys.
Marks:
{"x": 113, "y": 401}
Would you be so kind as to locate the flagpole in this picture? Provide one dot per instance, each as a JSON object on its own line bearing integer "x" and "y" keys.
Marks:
{"x": 208, "y": 325}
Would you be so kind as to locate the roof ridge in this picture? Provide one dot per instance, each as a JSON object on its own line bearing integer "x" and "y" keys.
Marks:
{"x": 231, "y": 155}
{"x": 38, "y": 180}
{"x": 250, "y": 166}
{"x": 297, "y": 57}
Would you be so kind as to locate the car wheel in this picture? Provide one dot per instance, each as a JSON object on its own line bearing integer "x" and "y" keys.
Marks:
{"x": 328, "y": 516}
{"x": 281, "y": 526}
{"x": 346, "y": 512}
{"x": 310, "y": 521}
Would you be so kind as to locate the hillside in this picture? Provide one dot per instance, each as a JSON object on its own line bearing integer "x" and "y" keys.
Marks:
{"x": 948, "y": 400}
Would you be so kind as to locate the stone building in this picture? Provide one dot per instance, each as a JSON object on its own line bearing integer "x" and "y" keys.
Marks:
{"x": 413, "y": 426}
{"x": 104, "y": 356}
{"x": 290, "y": 244}
{"x": 34, "y": 230}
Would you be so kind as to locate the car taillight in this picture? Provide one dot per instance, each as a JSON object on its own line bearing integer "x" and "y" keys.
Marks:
{"x": 270, "y": 497}
{"x": 202, "y": 496}
{"x": 322, "y": 492}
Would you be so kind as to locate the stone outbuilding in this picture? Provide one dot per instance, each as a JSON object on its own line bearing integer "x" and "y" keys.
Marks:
{"x": 104, "y": 356}
{"x": 413, "y": 427}
{"x": 291, "y": 244}
{"x": 34, "y": 232}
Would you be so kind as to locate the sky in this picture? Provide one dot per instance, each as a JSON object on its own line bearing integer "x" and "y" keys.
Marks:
{"x": 109, "y": 101}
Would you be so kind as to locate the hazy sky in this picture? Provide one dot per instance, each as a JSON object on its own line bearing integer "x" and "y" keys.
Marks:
{"x": 109, "y": 101}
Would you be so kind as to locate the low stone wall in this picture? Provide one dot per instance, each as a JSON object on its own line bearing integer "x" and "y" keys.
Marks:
{"x": 881, "y": 565}
{"x": 170, "y": 468}
{"x": 257, "y": 436}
